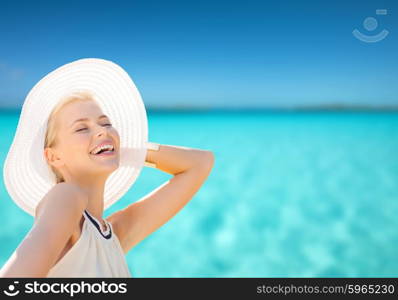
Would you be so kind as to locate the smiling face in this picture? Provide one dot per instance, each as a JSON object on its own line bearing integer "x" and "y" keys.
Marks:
{"x": 75, "y": 139}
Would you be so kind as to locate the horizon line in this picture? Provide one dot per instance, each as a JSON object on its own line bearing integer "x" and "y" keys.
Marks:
{"x": 316, "y": 107}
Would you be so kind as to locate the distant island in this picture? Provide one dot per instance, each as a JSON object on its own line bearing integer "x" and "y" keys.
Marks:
{"x": 324, "y": 107}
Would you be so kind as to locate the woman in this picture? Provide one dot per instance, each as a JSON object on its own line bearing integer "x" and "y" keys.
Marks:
{"x": 83, "y": 151}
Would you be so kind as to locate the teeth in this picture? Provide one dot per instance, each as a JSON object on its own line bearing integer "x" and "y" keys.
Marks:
{"x": 98, "y": 149}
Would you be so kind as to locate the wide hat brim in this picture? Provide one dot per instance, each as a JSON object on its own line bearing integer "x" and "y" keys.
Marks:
{"x": 28, "y": 177}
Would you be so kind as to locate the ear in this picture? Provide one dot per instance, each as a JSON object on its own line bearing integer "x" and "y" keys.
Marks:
{"x": 52, "y": 157}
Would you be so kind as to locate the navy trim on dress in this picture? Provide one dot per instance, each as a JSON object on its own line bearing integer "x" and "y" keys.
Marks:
{"x": 108, "y": 236}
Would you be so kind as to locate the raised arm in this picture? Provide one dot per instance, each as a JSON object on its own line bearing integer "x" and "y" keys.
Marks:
{"x": 57, "y": 215}
{"x": 189, "y": 167}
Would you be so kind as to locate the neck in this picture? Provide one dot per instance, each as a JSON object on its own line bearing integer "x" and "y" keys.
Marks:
{"x": 95, "y": 192}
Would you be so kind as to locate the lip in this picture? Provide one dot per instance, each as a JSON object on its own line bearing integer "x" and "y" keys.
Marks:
{"x": 105, "y": 154}
{"x": 104, "y": 143}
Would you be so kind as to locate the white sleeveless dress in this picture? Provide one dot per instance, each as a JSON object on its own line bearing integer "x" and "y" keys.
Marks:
{"x": 96, "y": 253}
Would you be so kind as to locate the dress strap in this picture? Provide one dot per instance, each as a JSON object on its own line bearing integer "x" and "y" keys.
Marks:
{"x": 107, "y": 234}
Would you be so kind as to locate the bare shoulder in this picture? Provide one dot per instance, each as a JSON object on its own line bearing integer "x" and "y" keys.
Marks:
{"x": 56, "y": 218}
{"x": 63, "y": 196}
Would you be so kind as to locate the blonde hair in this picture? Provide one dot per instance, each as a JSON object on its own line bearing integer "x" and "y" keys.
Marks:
{"x": 51, "y": 132}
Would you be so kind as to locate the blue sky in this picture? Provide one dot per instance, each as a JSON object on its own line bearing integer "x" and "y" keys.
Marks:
{"x": 209, "y": 53}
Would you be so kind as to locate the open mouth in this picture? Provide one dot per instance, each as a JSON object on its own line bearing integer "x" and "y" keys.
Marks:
{"x": 105, "y": 150}
{"x": 105, "y": 153}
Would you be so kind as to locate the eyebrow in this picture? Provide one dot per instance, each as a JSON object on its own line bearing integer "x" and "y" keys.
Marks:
{"x": 86, "y": 119}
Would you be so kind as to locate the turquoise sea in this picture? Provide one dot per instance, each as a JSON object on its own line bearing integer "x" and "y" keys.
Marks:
{"x": 291, "y": 194}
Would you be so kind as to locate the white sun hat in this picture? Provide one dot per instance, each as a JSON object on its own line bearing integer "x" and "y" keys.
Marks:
{"x": 28, "y": 177}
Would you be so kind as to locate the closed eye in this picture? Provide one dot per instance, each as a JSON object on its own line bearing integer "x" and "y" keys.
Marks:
{"x": 81, "y": 129}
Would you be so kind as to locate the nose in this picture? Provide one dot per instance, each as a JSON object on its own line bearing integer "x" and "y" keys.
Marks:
{"x": 101, "y": 131}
